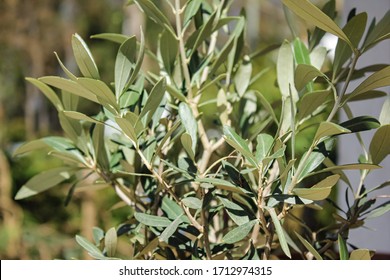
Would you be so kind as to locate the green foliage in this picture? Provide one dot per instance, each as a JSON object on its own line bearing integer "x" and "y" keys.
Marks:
{"x": 195, "y": 189}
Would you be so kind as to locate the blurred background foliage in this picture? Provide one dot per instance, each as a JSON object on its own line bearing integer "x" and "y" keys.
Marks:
{"x": 41, "y": 227}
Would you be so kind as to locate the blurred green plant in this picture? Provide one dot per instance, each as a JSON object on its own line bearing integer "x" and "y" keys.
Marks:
{"x": 221, "y": 189}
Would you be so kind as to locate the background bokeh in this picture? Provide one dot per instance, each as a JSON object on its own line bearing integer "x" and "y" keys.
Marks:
{"x": 41, "y": 227}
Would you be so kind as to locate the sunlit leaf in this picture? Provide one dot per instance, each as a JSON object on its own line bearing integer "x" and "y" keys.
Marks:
{"x": 124, "y": 64}
{"x": 151, "y": 220}
{"x": 173, "y": 210}
{"x": 264, "y": 144}
{"x": 239, "y": 233}
{"x": 189, "y": 122}
{"x": 318, "y": 56}
{"x": 285, "y": 71}
{"x": 204, "y": 32}
{"x": 313, "y": 15}
{"x": 384, "y": 117}
{"x": 114, "y": 37}
{"x": 88, "y": 246}
{"x": 221, "y": 184}
{"x": 170, "y": 230}
{"x": 315, "y": 158}
{"x": 48, "y": 92}
{"x": 100, "y": 89}
{"x": 319, "y": 191}
{"x": 186, "y": 141}
{"x": 192, "y": 202}
{"x": 83, "y": 57}
{"x": 235, "y": 211}
{"x": 279, "y": 231}
{"x": 44, "y": 181}
{"x": 239, "y": 144}
{"x": 243, "y": 76}
{"x": 128, "y": 128}
{"x": 360, "y": 254}
{"x": 110, "y": 242}
{"x": 191, "y": 10}
{"x": 69, "y": 86}
{"x": 380, "y": 144}
{"x": 154, "y": 99}
{"x": 154, "y": 13}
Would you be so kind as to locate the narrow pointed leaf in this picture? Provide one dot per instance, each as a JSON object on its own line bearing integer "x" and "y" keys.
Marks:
{"x": 44, "y": 181}
{"x": 315, "y": 158}
{"x": 128, "y": 128}
{"x": 186, "y": 141}
{"x": 169, "y": 47}
{"x": 310, "y": 102}
{"x": 239, "y": 233}
{"x": 313, "y": 15}
{"x": 343, "y": 250}
{"x": 285, "y": 71}
{"x": 243, "y": 76}
{"x": 173, "y": 210}
{"x": 67, "y": 72}
{"x": 99, "y": 147}
{"x": 88, "y": 246}
{"x": 154, "y": 99}
{"x": 83, "y": 57}
{"x": 354, "y": 29}
{"x": 154, "y": 13}
{"x": 379, "y": 79}
{"x": 80, "y": 116}
{"x": 329, "y": 129}
{"x": 139, "y": 61}
{"x": 69, "y": 86}
{"x": 234, "y": 140}
{"x": 170, "y": 230}
{"x": 384, "y": 117}
{"x": 301, "y": 53}
{"x": 100, "y": 89}
{"x": 235, "y": 211}
{"x": 264, "y": 144}
{"x": 150, "y": 220}
{"x": 192, "y": 202}
{"x": 189, "y": 122}
{"x": 113, "y": 37}
{"x": 267, "y": 106}
{"x": 304, "y": 74}
{"x": 110, "y": 242}
{"x": 48, "y": 92}
{"x": 124, "y": 62}
{"x": 361, "y": 123}
{"x": 319, "y": 191}
{"x": 380, "y": 144}
{"x": 380, "y": 32}
{"x": 309, "y": 247}
{"x": 279, "y": 231}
